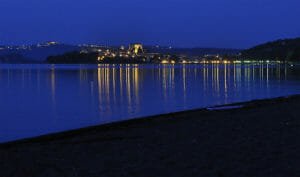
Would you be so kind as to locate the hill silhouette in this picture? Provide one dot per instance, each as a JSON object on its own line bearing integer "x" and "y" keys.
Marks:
{"x": 285, "y": 50}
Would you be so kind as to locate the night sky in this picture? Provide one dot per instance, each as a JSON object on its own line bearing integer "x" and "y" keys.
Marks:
{"x": 179, "y": 23}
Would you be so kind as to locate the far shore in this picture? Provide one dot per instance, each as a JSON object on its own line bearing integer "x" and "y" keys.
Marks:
{"x": 256, "y": 138}
{"x": 161, "y": 63}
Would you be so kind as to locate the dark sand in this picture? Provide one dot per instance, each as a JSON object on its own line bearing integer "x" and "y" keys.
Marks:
{"x": 261, "y": 139}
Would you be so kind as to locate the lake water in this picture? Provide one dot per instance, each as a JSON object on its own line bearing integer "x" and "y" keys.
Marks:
{"x": 41, "y": 99}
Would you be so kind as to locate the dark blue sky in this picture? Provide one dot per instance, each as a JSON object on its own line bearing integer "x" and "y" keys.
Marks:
{"x": 181, "y": 23}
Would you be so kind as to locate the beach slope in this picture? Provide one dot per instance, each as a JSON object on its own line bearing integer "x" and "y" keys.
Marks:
{"x": 261, "y": 138}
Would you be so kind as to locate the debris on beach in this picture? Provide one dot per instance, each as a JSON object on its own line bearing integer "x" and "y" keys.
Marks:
{"x": 225, "y": 107}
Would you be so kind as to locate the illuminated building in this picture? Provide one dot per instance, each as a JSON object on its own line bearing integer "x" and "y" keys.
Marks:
{"x": 136, "y": 48}
{"x": 100, "y": 58}
{"x": 52, "y": 42}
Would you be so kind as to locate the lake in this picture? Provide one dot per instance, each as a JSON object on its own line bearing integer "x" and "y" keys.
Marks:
{"x": 42, "y": 99}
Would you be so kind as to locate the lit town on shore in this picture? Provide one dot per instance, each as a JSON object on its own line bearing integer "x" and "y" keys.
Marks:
{"x": 133, "y": 51}
{"x": 137, "y": 51}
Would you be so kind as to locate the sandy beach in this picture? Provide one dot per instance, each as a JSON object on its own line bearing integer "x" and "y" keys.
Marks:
{"x": 259, "y": 139}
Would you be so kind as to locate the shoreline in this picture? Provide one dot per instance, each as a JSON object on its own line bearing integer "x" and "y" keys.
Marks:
{"x": 282, "y": 62}
{"x": 258, "y": 139}
{"x": 107, "y": 126}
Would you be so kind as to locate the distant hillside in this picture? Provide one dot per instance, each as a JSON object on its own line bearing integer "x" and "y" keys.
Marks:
{"x": 16, "y": 59}
{"x": 74, "y": 58}
{"x": 193, "y": 51}
{"x": 287, "y": 50}
{"x": 39, "y": 53}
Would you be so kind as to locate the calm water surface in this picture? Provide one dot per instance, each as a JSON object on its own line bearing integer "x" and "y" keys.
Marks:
{"x": 41, "y": 99}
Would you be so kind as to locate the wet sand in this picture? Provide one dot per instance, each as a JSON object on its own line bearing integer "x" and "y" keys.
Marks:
{"x": 259, "y": 139}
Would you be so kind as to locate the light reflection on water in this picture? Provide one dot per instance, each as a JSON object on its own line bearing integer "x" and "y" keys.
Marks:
{"x": 39, "y": 99}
